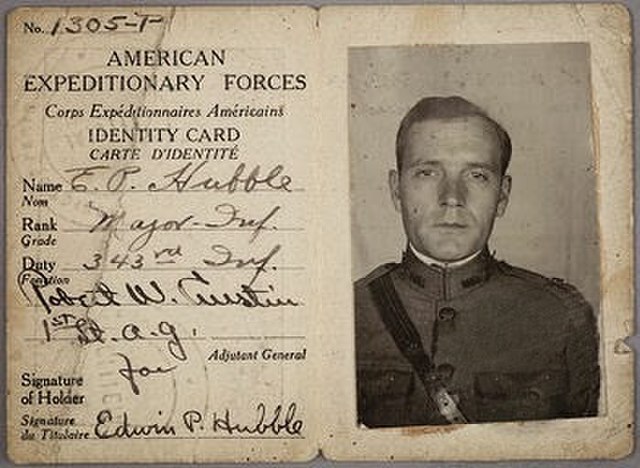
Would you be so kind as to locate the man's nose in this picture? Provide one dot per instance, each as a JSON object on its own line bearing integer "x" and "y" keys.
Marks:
{"x": 453, "y": 192}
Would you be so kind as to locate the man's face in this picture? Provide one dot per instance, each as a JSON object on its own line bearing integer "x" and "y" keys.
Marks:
{"x": 450, "y": 188}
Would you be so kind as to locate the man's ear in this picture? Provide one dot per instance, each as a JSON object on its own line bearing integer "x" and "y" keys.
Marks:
{"x": 394, "y": 189}
{"x": 503, "y": 197}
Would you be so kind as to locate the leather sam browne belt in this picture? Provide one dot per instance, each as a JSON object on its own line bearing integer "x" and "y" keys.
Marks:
{"x": 407, "y": 339}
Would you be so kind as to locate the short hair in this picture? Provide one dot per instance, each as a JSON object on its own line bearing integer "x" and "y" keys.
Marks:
{"x": 450, "y": 107}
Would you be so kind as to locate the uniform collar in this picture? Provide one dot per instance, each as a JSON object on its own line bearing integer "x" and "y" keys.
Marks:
{"x": 432, "y": 261}
{"x": 447, "y": 282}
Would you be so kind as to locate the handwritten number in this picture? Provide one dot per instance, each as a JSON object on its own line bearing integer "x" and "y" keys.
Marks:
{"x": 56, "y": 26}
{"x": 138, "y": 262}
{"x": 75, "y": 21}
{"x": 79, "y": 24}
{"x": 97, "y": 260}
{"x": 119, "y": 260}
{"x": 47, "y": 332}
{"x": 112, "y": 23}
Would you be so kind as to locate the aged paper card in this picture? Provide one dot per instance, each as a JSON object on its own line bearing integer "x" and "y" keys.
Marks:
{"x": 161, "y": 265}
{"x": 260, "y": 233}
{"x": 459, "y": 347}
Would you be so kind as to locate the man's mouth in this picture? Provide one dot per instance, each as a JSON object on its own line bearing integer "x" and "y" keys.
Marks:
{"x": 450, "y": 225}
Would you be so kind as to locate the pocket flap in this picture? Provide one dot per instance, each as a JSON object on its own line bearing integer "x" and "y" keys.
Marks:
{"x": 387, "y": 381}
{"x": 516, "y": 385}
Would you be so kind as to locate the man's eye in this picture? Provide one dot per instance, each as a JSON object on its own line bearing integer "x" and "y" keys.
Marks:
{"x": 426, "y": 172}
{"x": 479, "y": 175}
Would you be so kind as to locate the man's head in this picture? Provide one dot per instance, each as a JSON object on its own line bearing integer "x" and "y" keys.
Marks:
{"x": 450, "y": 182}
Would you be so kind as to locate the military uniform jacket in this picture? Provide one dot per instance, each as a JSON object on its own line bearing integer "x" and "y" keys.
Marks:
{"x": 507, "y": 343}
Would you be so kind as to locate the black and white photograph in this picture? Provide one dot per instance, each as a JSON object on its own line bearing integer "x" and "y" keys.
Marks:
{"x": 475, "y": 234}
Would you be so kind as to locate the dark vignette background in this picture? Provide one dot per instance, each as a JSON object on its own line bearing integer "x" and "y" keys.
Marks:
{"x": 634, "y": 7}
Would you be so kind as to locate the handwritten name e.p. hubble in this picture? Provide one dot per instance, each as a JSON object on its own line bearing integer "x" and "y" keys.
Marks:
{"x": 276, "y": 421}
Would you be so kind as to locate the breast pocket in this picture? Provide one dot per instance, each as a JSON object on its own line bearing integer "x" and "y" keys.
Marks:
{"x": 514, "y": 396}
{"x": 384, "y": 394}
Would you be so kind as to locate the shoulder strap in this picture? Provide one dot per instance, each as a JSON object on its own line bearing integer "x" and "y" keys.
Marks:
{"x": 407, "y": 339}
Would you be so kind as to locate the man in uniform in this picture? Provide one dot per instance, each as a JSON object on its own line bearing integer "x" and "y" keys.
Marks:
{"x": 450, "y": 334}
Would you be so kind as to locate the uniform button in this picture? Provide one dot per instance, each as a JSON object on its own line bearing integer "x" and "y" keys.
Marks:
{"x": 445, "y": 371}
{"x": 534, "y": 394}
{"x": 433, "y": 377}
{"x": 446, "y": 314}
